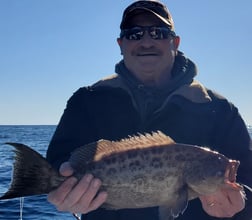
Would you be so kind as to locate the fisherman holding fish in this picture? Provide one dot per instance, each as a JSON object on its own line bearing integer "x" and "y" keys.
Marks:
{"x": 152, "y": 90}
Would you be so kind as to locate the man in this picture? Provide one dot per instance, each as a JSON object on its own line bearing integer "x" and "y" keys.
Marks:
{"x": 153, "y": 89}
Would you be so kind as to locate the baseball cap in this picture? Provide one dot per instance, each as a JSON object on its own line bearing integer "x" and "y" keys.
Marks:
{"x": 153, "y": 6}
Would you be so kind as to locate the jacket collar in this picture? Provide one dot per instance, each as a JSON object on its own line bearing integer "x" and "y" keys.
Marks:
{"x": 182, "y": 83}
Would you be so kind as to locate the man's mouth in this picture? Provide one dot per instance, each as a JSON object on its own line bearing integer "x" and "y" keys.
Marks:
{"x": 147, "y": 54}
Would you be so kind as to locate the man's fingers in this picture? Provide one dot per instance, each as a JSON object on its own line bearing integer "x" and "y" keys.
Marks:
{"x": 78, "y": 197}
{"x": 236, "y": 199}
{"x": 58, "y": 195}
{"x": 66, "y": 169}
{"x": 98, "y": 201}
{"x": 81, "y": 195}
{"x": 224, "y": 203}
{"x": 91, "y": 199}
{"x": 74, "y": 196}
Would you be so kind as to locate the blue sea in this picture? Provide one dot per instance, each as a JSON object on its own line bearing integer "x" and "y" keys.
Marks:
{"x": 34, "y": 207}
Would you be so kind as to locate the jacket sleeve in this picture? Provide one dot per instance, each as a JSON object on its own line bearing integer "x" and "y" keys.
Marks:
{"x": 233, "y": 140}
{"x": 239, "y": 142}
{"x": 74, "y": 129}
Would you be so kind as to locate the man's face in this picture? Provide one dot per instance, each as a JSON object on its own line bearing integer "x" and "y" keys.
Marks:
{"x": 150, "y": 60}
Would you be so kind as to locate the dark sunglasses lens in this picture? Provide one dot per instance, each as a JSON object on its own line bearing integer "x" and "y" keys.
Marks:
{"x": 135, "y": 33}
{"x": 159, "y": 33}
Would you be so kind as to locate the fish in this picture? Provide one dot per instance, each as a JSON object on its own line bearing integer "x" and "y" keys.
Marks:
{"x": 145, "y": 170}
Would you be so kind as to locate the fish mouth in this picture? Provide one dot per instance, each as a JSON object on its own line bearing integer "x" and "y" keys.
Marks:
{"x": 231, "y": 171}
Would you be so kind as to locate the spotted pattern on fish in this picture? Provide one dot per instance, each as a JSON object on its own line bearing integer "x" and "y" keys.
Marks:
{"x": 139, "y": 171}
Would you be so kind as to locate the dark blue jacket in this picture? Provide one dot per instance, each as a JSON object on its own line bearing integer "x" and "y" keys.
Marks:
{"x": 185, "y": 110}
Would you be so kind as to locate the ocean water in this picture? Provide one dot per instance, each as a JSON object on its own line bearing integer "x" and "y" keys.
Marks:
{"x": 34, "y": 207}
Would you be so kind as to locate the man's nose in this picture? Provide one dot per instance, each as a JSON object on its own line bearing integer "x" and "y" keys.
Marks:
{"x": 146, "y": 40}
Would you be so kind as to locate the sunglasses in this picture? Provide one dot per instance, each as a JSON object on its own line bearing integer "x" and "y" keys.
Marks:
{"x": 156, "y": 33}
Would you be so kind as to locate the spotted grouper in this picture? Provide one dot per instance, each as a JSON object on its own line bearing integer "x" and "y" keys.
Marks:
{"x": 141, "y": 171}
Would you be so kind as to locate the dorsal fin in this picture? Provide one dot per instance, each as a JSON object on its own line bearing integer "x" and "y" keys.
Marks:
{"x": 142, "y": 141}
{"x": 101, "y": 148}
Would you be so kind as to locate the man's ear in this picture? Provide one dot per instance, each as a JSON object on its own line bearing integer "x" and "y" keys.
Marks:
{"x": 176, "y": 41}
{"x": 119, "y": 42}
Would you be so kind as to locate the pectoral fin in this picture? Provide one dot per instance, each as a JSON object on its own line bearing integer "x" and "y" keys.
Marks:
{"x": 165, "y": 213}
{"x": 178, "y": 205}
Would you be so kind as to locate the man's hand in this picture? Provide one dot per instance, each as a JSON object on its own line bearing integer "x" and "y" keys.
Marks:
{"x": 77, "y": 197}
{"x": 224, "y": 203}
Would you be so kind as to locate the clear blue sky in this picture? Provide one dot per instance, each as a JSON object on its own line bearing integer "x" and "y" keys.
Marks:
{"x": 50, "y": 48}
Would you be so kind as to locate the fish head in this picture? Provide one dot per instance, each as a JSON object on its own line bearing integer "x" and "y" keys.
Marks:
{"x": 211, "y": 172}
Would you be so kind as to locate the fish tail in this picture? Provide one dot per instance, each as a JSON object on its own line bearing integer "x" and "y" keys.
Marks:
{"x": 32, "y": 174}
